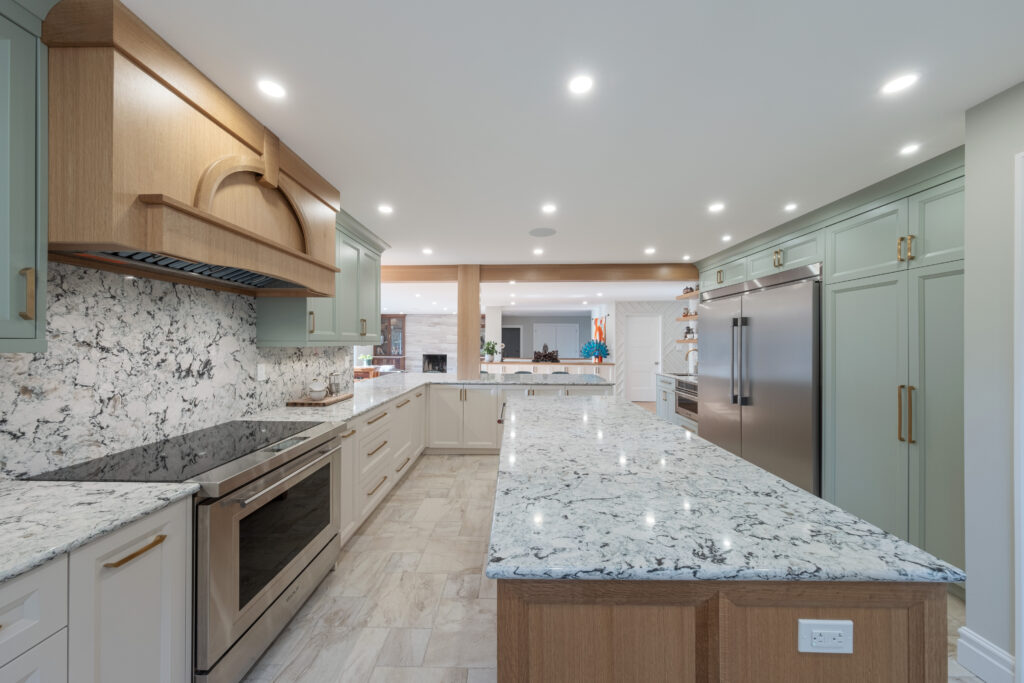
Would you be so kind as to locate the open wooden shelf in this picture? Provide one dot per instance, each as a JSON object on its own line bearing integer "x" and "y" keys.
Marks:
{"x": 686, "y": 341}
{"x": 688, "y": 295}
{"x": 686, "y": 317}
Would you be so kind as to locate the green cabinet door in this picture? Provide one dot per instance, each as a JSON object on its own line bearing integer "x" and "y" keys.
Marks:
{"x": 866, "y": 244}
{"x": 349, "y": 252}
{"x": 937, "y": 376}
{"x": 937, "y": 225}
{"x": 864, "y": 361}
{"x": 369, "y": 296}
{"x": 324, "y": 318}
{"x": 22, "y": 230}
{"x": 802, "y": 251}
{"x": 729, "y": 274}
{"x": 762, "y": 263}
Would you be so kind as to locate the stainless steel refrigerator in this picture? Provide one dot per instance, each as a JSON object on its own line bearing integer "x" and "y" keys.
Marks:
{"x": 759, "y": 390}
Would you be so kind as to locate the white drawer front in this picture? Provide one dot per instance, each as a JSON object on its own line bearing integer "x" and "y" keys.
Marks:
{"x": 47, "y": 662}
{"x": 33, "y": 607}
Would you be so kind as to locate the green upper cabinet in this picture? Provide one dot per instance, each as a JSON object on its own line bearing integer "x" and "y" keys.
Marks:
{"x": 728, "y": 274}
{"x": 937, "y": 225}
{"x": 351, "y": 316}
{"x": 22, "y": 189}
{"x": 871, "y": 243}
{"x": 799, "y": 251}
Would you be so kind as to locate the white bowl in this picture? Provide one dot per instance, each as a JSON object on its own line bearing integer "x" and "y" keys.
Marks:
{"x": 318, "y": 395}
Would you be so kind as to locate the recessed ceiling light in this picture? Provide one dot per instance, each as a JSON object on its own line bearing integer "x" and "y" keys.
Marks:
{"x": 581, "y": 84}
{"x": 386, "y": 209}
{"x": 686, "y": 257}
{"x": 907, "y": 150}
{"x": 899, "y": 84}
{"x": 513, "y": 294}
{"x": 584, "y": 303}
{"x": 417, "y": 296}
{"x": 384, "y": 308}
{"x": 600, "y": 294}
{"x": 538, "y": 251}
{"x": 716, "y": 207}
{"x": 428, "y": 251}
{"x": 445, "y": 308}
{"x": 512, "y": 304}
{"x": 548, "y": 208}
{"x": 511, "y": 282}
{"x": 790, "y": 207}
{"x": 272, "y": 89}
{"x": 433, "y": 303}
{"x": 649, "y": 250}
{"x": 726, "y": 238}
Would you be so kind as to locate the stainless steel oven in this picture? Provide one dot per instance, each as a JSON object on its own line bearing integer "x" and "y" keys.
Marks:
{"x": 261, "y": 549}
{"x": 686, "y": 399}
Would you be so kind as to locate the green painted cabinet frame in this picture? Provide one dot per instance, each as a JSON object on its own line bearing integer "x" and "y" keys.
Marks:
{"x": 351, "y": 316}
{"x": 23, "y": 170}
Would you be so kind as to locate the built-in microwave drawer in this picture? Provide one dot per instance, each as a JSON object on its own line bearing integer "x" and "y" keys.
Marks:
{"x": 33, "y": 607}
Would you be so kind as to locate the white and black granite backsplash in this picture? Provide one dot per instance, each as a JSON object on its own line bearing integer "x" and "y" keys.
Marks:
{"x": 130, "y": 361}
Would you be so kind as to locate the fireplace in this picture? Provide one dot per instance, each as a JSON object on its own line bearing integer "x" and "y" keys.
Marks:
{"x": 435, "y": 362}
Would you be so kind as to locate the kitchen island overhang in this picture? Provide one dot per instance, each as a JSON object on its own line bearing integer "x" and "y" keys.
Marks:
{"x": 627, "y": 548}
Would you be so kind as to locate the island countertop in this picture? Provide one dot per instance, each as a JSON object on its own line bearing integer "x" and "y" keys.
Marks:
{"x": 597, "y": 488}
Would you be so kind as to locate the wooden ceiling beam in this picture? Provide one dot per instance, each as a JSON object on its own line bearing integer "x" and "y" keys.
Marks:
{"x": 567, "y": 272}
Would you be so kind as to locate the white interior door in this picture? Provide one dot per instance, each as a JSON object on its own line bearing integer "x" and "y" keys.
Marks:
{"x": 643, "y": 356}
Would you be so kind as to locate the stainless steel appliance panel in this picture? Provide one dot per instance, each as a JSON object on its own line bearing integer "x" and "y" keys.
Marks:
{"x": 245, "y": 560}
{"x": 779, "y": 382}
{"x": 717, "y": 348}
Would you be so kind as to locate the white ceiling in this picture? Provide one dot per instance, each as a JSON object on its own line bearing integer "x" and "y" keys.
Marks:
{"x": 540, "y": 298}
{"x": 457, "y": 112}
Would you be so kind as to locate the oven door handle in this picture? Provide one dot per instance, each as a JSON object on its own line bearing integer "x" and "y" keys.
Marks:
{"x": 245, "y": 502}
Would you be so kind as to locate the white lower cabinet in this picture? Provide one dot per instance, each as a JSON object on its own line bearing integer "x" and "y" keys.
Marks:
{"x": 47, "y": 662}
{"x": 349, "y": 512}
{"x": 129, "y": 611}
{"x": 463, "y": 417}
{"x": 33, "y": 607}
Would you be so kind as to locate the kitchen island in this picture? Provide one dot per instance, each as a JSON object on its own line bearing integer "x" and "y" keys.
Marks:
{"x": 626, "y": 548}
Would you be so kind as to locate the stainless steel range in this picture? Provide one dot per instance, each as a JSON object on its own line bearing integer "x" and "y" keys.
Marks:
{"x": 267, "y": 519}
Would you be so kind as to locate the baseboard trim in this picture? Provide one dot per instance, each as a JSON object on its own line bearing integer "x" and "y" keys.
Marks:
{"x": 461, "y": 451}
{"x": 981, "y": 657}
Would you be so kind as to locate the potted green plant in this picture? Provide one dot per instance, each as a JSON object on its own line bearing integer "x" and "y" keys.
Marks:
{"x": 490, "y": 348}
{"x": 367, "y": 359}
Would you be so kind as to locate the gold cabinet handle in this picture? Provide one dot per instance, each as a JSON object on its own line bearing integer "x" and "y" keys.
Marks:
{"x": 362, "y": 321}
{"x": 780, "y": 258}
{"x": 141, "y": 551}
{"x": 378, "y": 418}
{"x": 374, "y": 451}
{"x": 30, "y": 294}
{"x": 402, "y": 466}
{"x": 404, "y": 403}
{"x": 345, "y": 436}
{"x": 718, "y": 277}
{"x": 910, "y": 414}
{"x": 910, "y": 247}
{"x": 899, "y": 411}
{"x": 379, "y": 484}
{"x": 312, "y": 322}
{"x": 899, "y": 249}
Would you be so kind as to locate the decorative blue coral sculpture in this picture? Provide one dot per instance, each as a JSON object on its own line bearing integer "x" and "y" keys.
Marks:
{"x": 594, "y": 348}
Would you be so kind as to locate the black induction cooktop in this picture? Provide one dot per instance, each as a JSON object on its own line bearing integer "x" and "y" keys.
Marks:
{"x": 182, "y": 457}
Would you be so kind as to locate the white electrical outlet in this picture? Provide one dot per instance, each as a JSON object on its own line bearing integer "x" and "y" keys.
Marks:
{"x": 261, "y": 372}
{"x": 822, "y": 635}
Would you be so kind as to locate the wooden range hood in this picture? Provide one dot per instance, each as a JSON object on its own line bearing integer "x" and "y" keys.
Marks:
{"x": 155, "y": 171}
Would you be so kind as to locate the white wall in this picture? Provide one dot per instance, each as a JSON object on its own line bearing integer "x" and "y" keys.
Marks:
{"x": 492, "y": 325}
{"x": 995, "y": 134}
{"x": 430, "y": 334}
{"x": 672, "y": 354}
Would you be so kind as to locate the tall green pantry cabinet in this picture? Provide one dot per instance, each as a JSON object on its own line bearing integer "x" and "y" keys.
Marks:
{"x": 351, "y": 316}
{"x": 23, "y": 168}
{"x": 893, "y": 368}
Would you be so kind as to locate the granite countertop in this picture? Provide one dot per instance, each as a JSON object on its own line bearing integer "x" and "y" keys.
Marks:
{"x": 674, "y": 376}
{"x": 371, "y": 393}
{"x": 40, "y": 520}
{"x": 597, "y": 488}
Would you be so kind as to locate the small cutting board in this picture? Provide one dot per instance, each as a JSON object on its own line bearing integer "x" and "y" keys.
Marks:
{"x": 326, "y": 401}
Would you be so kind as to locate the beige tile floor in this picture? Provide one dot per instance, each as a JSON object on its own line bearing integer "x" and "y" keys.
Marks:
{"x": 408, "y": 601}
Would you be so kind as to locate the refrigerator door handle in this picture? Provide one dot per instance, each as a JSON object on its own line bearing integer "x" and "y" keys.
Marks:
{"x": 744, "y": 397}
{"x": 732, "y": 361}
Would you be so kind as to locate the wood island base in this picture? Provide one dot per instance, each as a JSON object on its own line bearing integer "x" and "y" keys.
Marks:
{"x": 596, "y": 631}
